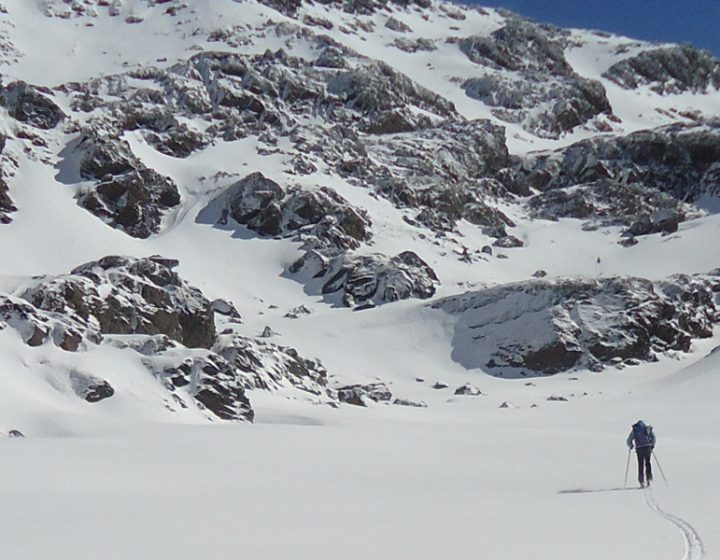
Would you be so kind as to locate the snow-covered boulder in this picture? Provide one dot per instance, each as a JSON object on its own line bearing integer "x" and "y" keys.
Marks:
{"x": 368, "y": 280}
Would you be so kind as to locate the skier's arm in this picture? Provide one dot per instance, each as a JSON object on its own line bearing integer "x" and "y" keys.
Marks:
{"x": 629, "y": 440}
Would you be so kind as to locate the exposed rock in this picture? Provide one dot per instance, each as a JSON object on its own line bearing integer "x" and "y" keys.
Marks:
{"x": 119, "y": 295}
{"x": 439, "y": 385}
{"x": 15, "y": 434}
{"x": 556, "y": 398}
{"x": 643, "y": 210}
{"x": 207, "y": 378}
{"x": 415, "y": 45}
{"x": 670, "y": 70}
{"x": 406, "y": 402}
{"x": 678, "y": 160}
{"x": 369, "y": 280}
{"x": 395, "y": 24}
{"x": 31, "y": 105}
{"x": 359, "y": 394}
{"x": 469, "y": 390}
{"x": 321, "y": 217}
{"x": 126, "y": 194}
{"x": 543, "y": 104}
{"x": 543, "y": 327}
{"x": 520, "y": 45}
{"x": 508, "y": 242}
{"x": 90, "y": 388}
{"x": 263, "y": 365}
{"x": 37, "y": 326}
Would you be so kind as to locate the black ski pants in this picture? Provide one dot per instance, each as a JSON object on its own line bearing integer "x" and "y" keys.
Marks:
{"x": 644, "y": 466}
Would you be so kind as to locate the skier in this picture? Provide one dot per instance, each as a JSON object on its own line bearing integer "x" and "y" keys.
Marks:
{"x": 643, "y": 439}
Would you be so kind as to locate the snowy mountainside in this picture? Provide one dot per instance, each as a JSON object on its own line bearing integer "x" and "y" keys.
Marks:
{"x": 238, "y": 197}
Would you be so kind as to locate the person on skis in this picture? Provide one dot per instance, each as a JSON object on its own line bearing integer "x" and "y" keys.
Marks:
{"x": 642, "y": 438}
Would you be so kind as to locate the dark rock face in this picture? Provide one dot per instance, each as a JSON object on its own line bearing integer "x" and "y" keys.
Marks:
{"x": 681, "y": 161}
{"x": 31, "y": 105}
{"x": 570, "y": 101}
{"x": 541, "y": 327}
{"x": 358, "y": 395}
{"x": 6, "y": 204}
{"x": 520, "y": 45}
{"x": 670, "y": 70}
{"x": 118, "y": 295}
{"x": 534, "y": 85}
{"x": 448, "y": 173}
{"x": 206, "y": 377}
{"x": 641, "y": 209}
{"x": 369, "y": 280}
{"x": 90, "y": 388}
{"x": 321, "y": 217}
{"x": 127, "y": 195}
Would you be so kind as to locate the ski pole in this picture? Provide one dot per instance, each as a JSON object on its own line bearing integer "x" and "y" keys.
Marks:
{"x": 659, "y": 467}
{"x": 627, "y": 467}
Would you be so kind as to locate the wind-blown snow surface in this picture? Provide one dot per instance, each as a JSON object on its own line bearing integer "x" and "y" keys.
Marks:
{"x": 461, "y": 478}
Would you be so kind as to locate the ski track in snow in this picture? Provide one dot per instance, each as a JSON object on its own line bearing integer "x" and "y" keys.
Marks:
{"x": 694, "y": 548}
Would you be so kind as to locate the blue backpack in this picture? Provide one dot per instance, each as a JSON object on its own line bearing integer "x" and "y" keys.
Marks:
{"x": 643, "y": 435}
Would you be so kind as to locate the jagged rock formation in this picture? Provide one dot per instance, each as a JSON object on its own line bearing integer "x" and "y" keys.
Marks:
{"x": 642, "y": 210}
{"x": 670, "y": 70}
{"x": 542, "y": 327}
{"x": 612, "y": 179}
{"x": 368, "y": 280}
{"x": 125, "y": 194}
{"x": 119, "y": 295}
{"x": 321, "y": 217}
{"x": 31, "y": 105}
{"x": 533, "y": 84}
{"x": 262, "y": 365}
{"x": 205, "y": 377}
{"x": 36, "y": 326}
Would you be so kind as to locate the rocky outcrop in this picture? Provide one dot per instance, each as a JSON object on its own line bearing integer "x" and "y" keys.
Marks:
{"x": 321, "y": 217}
{"x": 544, "y": 327}
{"x": 90, "y": 388}
{"x": 532, "y": 84}
{"x": 642, "y": 210}
{"x": 31, "y": 105}
{"x": 37, "y": 327}
{"x": 207, "y": 378}
{"x": 267, "y": 366}
{"x": 367, "y": 280}
{"x": 520, "y": 45}
{"x": 445, "y": 174}
{"x": 125, "y": 194}
{"x": 119, "y": 295}
{"x": 670, "y": 70}
{"x": 543, "y": 104}
{"x": 359, "y": 395}
{"x": 679, "y": 160}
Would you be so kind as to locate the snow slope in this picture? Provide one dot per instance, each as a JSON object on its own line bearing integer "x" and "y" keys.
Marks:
{"x": 506, "y": 474}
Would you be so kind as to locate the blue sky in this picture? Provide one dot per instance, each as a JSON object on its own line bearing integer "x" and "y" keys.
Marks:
{"x": 679, "y": 21}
